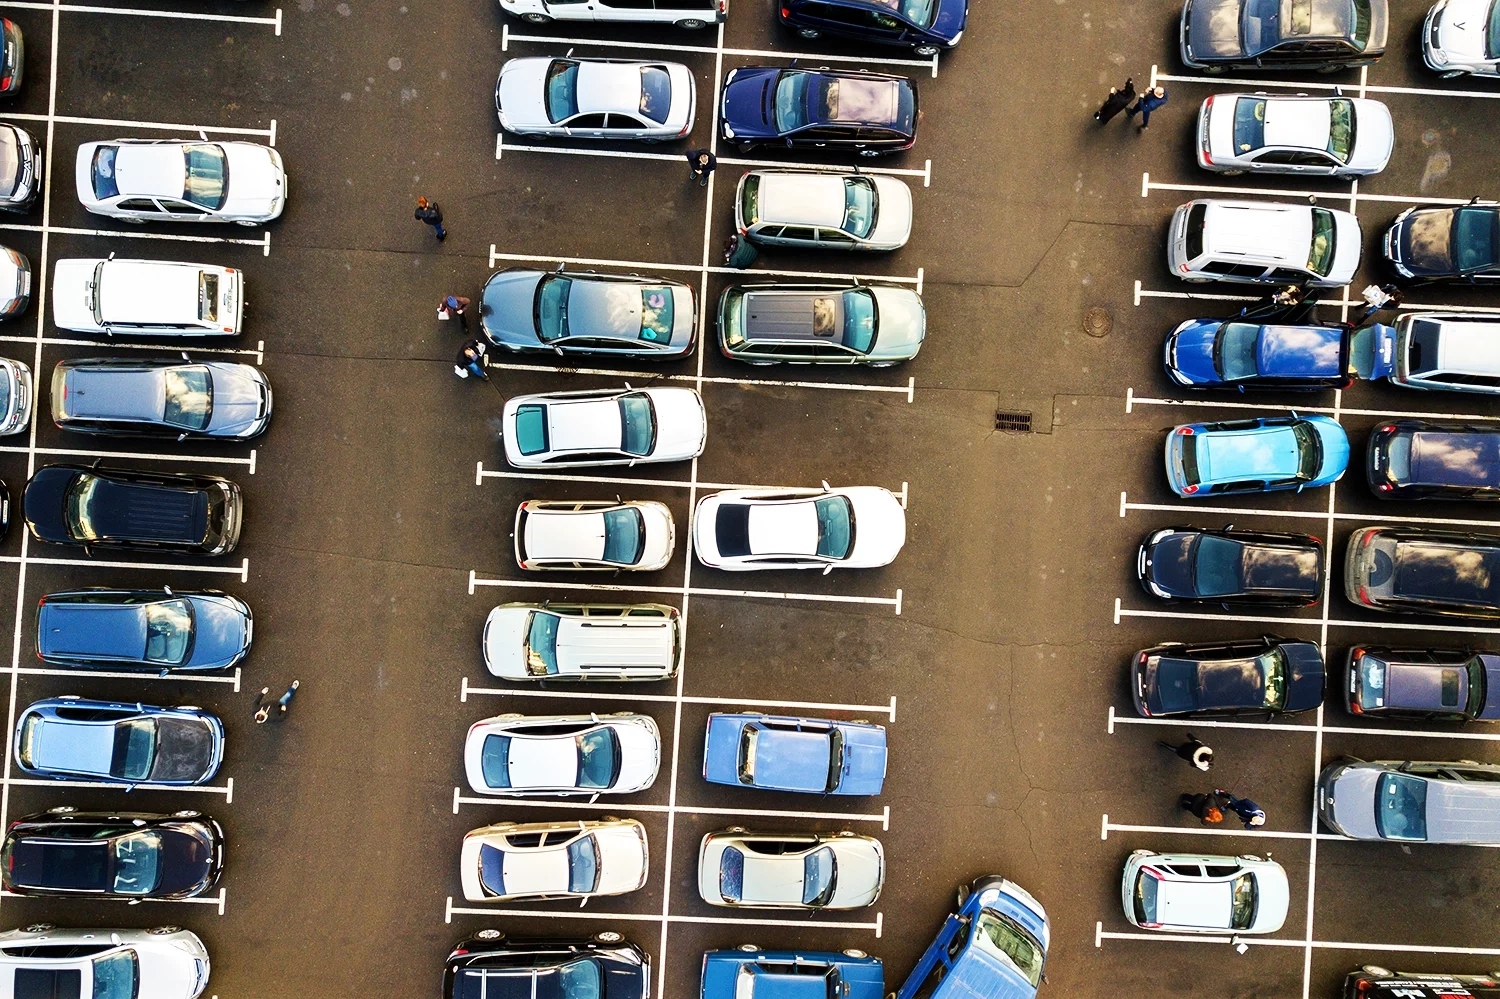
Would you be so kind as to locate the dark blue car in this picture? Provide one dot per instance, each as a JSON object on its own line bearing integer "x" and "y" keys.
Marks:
{"x": 1215, "y": 353}
{"x": 752, "y": 973}
{"x": 68, "y": 738}
{"x": 925, "y": 26}
{"x": 1415, "y": 459}
{"x": 812, "y": 755}
{"x": 994, "y": 946}
{"x": 142, "y": 629}
{"x": 819, "y": 109}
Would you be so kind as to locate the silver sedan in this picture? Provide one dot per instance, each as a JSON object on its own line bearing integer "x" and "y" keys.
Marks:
{"x": 596, "y": 98}
{"x": 1323, "y": 136}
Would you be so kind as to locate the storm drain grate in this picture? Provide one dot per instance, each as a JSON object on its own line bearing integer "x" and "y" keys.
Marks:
{"x": 1011, "y": 421}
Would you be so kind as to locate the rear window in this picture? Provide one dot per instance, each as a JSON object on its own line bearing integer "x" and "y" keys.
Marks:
{"x": 598, "y": 759}
{"x": 208, "y": 297}
{"x": 657, "y": 315}
{"x": 531, "y": 429}
{"x": 656, "y": 93}
{"x": 562, "y": 90}
{"x": 750, "y": 200}
{"x": 1249, "y": 124}
{"x": 541, "y": 644}
{"x": 1195, "y": 219}
{"x": 1145, "y": 896}
{"x": 1320, "y": 253}
{"x": 1401, "y": 807}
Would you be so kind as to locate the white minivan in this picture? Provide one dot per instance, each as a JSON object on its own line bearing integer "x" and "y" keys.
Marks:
{"x": 1262, "y": 242}
{"x": 150, "y": 297}
{"x": 683, "y": 13}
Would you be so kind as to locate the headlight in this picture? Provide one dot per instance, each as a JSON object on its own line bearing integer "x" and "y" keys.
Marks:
{"x": 1439, "y": 57}
{"x": 728, "y": 132}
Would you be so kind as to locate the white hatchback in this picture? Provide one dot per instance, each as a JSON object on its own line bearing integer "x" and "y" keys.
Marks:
{"x": 596, "y": 98}
{"x": 545, "y": 860}
{"x": 147, "y": 297}
{"x": 163, "y": 962}
{"x": 857, "y": 527}
{"x": 1321, "y": 136}
{"x": 1193, "y": 893}
{"x": 594, "y": 534}
{"x": 1263, "y": 242}
{"x": 562, "y": 754}
{"x": 603, "y": 427}
{"x": 172, "y": 180}
{"x": 790, "y": 870}
{"x": 1462, "y": 36}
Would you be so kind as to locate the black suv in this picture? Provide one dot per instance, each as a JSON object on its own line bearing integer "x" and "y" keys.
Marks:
{"x": 1413, "y": 459}
{"x": 129, "y": 855}
{"x": 1417, "y": 570}
{"x": 129, "y": 508}
{"x": 489, "y": 965}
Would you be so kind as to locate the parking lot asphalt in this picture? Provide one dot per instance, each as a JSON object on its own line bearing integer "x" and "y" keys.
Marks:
{"x": 379, "y": 513}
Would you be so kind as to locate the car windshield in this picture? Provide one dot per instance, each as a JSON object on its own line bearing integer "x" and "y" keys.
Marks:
{"x": 541, "y": 644}
{"x": 1242, "y": 902}
{"x": 1249, "y": 124}
{"x": 207, "y": 183}
{"x": 1401, "y": 807}
{"x": 1272, "y": 666}
{"x": 1320, "y": 253}
{"x": 494, "y": 760}
{"x": 624, "y": 536}
{"x": 656, "y": 93}
{"x": 1234, "y": 351}
{"x": 1477, "y": 683}
{"x": 746, "y": 765}
{"x": 859, "y": 320}
{"x": 562, "y": 90}
{"x": 835, "y": 526}
{"x": 551, "y": 308}
{"x": 1474, "y": 238}
{"x": 137, "y": 864}
{"x": 104, "y": 172}
{"x": 598, "y": 759}
{"x": 802, "y": 98}
{"x": 656, "y": 314}
{"x": 1309, "y": 451}
{"x": 1216, "y": 567}
{"x": 859, "y": 206}
{"x": 919, "y": 12}
{"x": 1258, "y": 23}
{"x": 818, "y": 877}
{"x": 1341, "y": 128}
{"x": 78, "y": 508}
{"x": 583, "y": 864}
{"x": 1492, "y": 33}
{"x": 579, "y": 979}
{"x": 531, "y": 429}
{"x": 190, "y": 399}
{"x": 169, "y": 631}
{"x": 835, "y": 759}
{"x": 116, "y": 976}
{"x": 1006, "y": 939}
{"x": 638, "y": 424}
{"x": 135, "y": 749}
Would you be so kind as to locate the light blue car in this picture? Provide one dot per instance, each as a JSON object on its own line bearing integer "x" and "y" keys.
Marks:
{"x": 994, "y": 946}
{"x": 1256, "y": 456}
{"x": 811, "y": 755}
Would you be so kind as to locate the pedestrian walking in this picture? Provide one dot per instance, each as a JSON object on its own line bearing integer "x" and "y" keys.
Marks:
{"x": 284, "y": 702}
{"x": 740, "y": 253}
{"x": 471, "y": 360}
{"x": 1194, "y": 753}
{"x": 454, "y": 305}
{"x": 1150, "y": 101}
{"x": 1380, "y": 297}
{"x": 1118, "y": 100}
{"x": 1204, "y": 806}
{"x": 1248, "y": 811}
{"x": 429, "y": 213}
{"x": 262, "y": 708}
{"x": 702, "y": 163}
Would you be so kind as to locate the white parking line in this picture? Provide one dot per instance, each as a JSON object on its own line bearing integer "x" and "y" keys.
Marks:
{"x": 139, "y": 675}
{"x": 259, "y": 353}
{"x": 883, "y": 817}
{"x": 153, "y": 126}
{"x": 1405, "y": 733}
{"x": 703, "y": 268}
{"x": 829, "y": 598}
{"x": 1147, "y": 186}
{"x": 264, "y": 242}
{"x": 1302, "y": 621}
{"x": 1101, "y": 934}
{"x": 452, "y": 910}
{"x": 1344, "y": 302}
{"x": 64, "y": 452}
{"x": 1106, "y": 827}
{"x": 483, "y": 473}
{"x": 1132, "y": 400}
{"x": 1226, "y": 82}
{"x": 909, "y": 389}
{"x": 77, "y": 8}
{"x": 464, "y": 690}
{"x": 215, "y": 900}
{"x": 1236, "y": 511}
{"x": 242, "y": 570}
{"x": 227, "y": 790}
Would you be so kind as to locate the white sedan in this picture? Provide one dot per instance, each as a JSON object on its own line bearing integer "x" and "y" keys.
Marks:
{"x": 164, "y": 962}
{"x": 562, "y": 754}
{"x": 790, "y": 871}
{"x": 594, "y": 534}
{"x": 596, "y": 98}
{"x": 1193, "y": 893}
{"x": 603, "y": 427}
{"x": 1462, "y": 36}
{"x": 1321, "y": 136}
{"x": 170, "y": 180}
{"x": 858, "y": 527}
{"x": 543, "y": 860}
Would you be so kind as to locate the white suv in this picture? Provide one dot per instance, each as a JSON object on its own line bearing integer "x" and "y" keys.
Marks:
{"x": 151, "y": 297}
{"x": 683, "y": 13}
{"x": 1263, "y": 242}
{"x": 555, "y": 641}
{"x": 42, "y": 960}
{"x": 1453, "y": 352}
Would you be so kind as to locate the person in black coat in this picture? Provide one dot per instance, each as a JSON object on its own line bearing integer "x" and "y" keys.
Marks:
{"x": 1118, "y": 100}
{"x": 1192, "y": 752}
{"x": 1208, "y": 808}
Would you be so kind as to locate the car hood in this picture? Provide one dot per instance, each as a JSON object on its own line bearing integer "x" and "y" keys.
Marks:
{"x": 659, "y": 534}
{"x": 1461, "y": 29}
{"x": 903, "y": 323}
{"x": 640, "y": 756}
{"x": 221, "y": 630}
{"x": 948, "y": 23}
{"x": 520, "y": 92}
{"x": 505, "y": 640}
{"x": 1491, "y": 709}
{"x": 681, "y": 423}
{"x": 1214, "y": 29}
{"x": 167, "y": 973}
{"x": 1335, "y": 446}
{"x": 1375, "y": 135}
{"x": 860, "y": 870}
{"x": 1353, "y": 794}
{"x": 1172, "y": 564}
{"x": 238, "y": 389}
{"x": 186, "y": 751}
{"x": 1191, "y": 350}
{"x": 721, "y": 747}
{"x": 506, "y": 307}
{"x": 879, "y": 526}
{"x": 749, "y": 102}
{"x": 1306, "y": 674}
{"x": 255, "y": 179}
{"x": 1272, "y": 896}
{"x": 72, "y": 303}
{"x": 893, "y": 218}
{"x": 1424, "y": 240}
{"x": 622, "y": 860}
{"x": 187, "y": 860}
{"x": 864, "y": 760}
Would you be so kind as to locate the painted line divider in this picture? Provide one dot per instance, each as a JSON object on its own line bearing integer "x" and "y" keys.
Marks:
{"x": 1101, "y": 934}
{"x": 830, "y": 598}
{"x": 507, "y": 37}
{"x": 1299, "y": 621}
{"x": 264, "y": 242}
{"x": 889, "y": 710}
{"x": 459, "y": 798}
{"x": 214, "y": 900}
{"x": 242, "y": 570}
{"x": 908, "y": 390}
{"x": 133, "y": 455}
{"x": 488, "y": 473}
{"x": 1106, "y": 827}
{"x": 164, "y": 126}
{"x": 50, "y": 341}
{"x": 496, "y": 256}
{"x": 1132, "y": 400}
{"x": 234, "y": 680}
{"x": 227, "y": 790}
{"x": 1147, "y": 185}
{"x": 78, "y": 8}
{"x": 635, "y": 154}
{"x": 451, "y": 910}
{"x": 1206, "y": 723}
{"x": 1222, "y": 81}
{"x": 1406, "y": 307}
{"x": 1235, "y": 511}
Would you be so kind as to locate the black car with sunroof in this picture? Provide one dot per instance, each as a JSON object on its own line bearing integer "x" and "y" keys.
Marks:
{"x": 1432, "y": 684}
{"x": 1268, "y": 675}
{"x": 1416, "y": 459}
{"x": 490, "y": 965}
{"x": 826, "y": 323}
{"x": 1227, "y": 566}
{"x": 183, "y": 513}
{"x": 130, "y": 855}
{"x": 1419, "y": 570}
{"x": 1375, "y": 982}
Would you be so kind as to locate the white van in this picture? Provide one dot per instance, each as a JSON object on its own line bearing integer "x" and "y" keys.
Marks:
{"x": 583, "y": 641}
{"x": 1452, "y": 352}
{"x": 150, "y": 297}
{"x": 683, "y": 13}
{"x": 1262, "y": 242}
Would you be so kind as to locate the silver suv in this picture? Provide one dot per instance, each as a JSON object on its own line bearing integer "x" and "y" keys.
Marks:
{"x": 829, "y": 211}
{"x": 1412, "y": 802}
{"x": 1456, "y": 352}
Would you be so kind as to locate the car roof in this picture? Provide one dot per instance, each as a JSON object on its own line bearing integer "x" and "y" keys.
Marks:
{"x": 134, "y": 393}
{"x": 1463, "y": 810}
{"x": 93, "y": 629}
{"x": 1266, "y": 230}
{"x": 1192, "y": 902}
{"x": 802, "y": 198}
{"x": 64, "y": 744}
{"x": 609, "y": 86}
{"x": 794, "y": 759}
{"x": 862, "y": 99}
{"x": 148, "y": 511}
{"x": 149, "y": 291}
{"x": 565, "y": 534}
{"x": 779, "y": 985}
{"x": 1456, "y": 457}
{"x": 790, "y": 316}
{"x": 604, "y": 308}
{"x": 1232, "y": 455}
{"x": 767, "y": 878}
{"x": 584, "y": 425}
{"x": 1468, "y": 346}
{"x": 1296, "y": 121}
{"x": 1420, "y": 685}
{"x": 150, "y": 169}
{"x": 782, "y": 528}
{"x": 1329, "y": 19}
{"x": 51, "y": 981}
{"x": 644, "y": 641}
{"x": 1308, "y": 351}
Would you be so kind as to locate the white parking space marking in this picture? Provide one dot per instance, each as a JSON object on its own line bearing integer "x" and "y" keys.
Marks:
{"x": 1261, "y": 85}
{"x": 64, "y": 452}
{"x": 883, "y": 817}
{"x": 909, "y": 389}
{"x": 464, "y": 690}
{"x": 1147, "y": 186}
{"x": 77, "y": 8}
{"x": 1132, "y": 400}
{"x": 215, "y": 900}
{"x": 1236, "y": 511}
{"x": 1121, "y": 612}
{"x": 1408, "y": 733}
{"x": 704, "y": 268}
{"x": 1101, "y": 934}
{"x": 152, "y": 126}
{"x": 486, "y": 473}
{"x": 831, "y": 598}
{"x": 259, "y": 353}
{"x": 1345, "y": 302}
{"x": 234, "y": 680}
{"x": 452, "y": 910}
{"x": 242, "y": 570}
{"x": 227, "y": 790}
{"x": 1106, "y": 827}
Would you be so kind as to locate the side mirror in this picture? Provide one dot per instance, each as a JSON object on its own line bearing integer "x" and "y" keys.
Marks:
{"x": 827, "y": 569}
{"x": 826, "y": 487}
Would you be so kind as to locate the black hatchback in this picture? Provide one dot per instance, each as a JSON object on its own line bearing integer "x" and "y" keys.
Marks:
{"x": 1373, "y": 982}
{"x": 129, "y": 508}
{"x": 128, "y": 855}
{"x": 1413, "y": 459}
{"x": 489, "y": 965}
{"x": 1268, "y": 675}
{"x": 1435, "y": 684}
{"x": 1418, "y": 570}
{"x": 1231, "y": 567}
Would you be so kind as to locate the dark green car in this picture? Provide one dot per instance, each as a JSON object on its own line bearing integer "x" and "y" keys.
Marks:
{"x": 831, "y": 323}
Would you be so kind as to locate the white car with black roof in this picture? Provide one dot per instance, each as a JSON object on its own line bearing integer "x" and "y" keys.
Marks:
{"x": 175, "y": 180}
{"x": 596, "y": 98}
{"x": 852, "y": 527}
{"x": 604, "y": 427}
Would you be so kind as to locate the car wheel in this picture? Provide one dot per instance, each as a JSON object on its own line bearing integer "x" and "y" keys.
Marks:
{"x": 489, "y": 934}
{"x": 748, "y": 948}
{"x": 1376, "y": 970}
{"x": 1197, "y": 280}
{"x": 1215, "y": 70}
{"x": 161, "y": 931}
{"x": 39, "y": 927}
{"x": 854, "y": 952}
{"x": 609, "y": 818}
{"x": 859, "y": 721}
{"x": 881, "y": 364}
{"x": 512, "y": 714}
{"x": 1140, "y": 853}
{"x": 926, "y": 51}
{"x": 61, "y": 810}
{"x": 692, "y": 24}
{"x": 536, "y": 18}
{"x": 809, "y": 33}
{"x": 608, "y": 937}
{"x": 186, "y": 813}
{"x": 1331, "y": 69}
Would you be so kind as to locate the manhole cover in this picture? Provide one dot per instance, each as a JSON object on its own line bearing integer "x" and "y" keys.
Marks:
{"x": 1013, "y": 422}
{"x": 1097, "y": 322}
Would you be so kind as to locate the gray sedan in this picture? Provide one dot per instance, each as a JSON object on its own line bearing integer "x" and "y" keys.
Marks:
{"x": 214, "y": 399}
{"x": 615, "y": 315}
{"x": 834, "y": 323}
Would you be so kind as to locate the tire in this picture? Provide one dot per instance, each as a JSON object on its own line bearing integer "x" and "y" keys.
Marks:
{"x": 489, "y": 934}
{"x": 692, "y": 24}
{"x": 609, "y": 937}
{"x": 1330, "y": 69}
{"x": 1376, "y": 970}
{"x": 926, "y": 51}
{"x": 513, "y": 714}
{"x": 748, "y": 948}
{"x": 809, "y": 33}
{"x": 855, "y": 952}
{"x": 61, "y": 810}
{"x": 39, "y": 927}
{"x": 186, "y": 813}
{"x": 609, "y": 818}
{"x": 162, "y": 931}
{"x": 1215, "y": 70}
{"x": 881, "y": 364}
{"x": 536, "y": 18}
